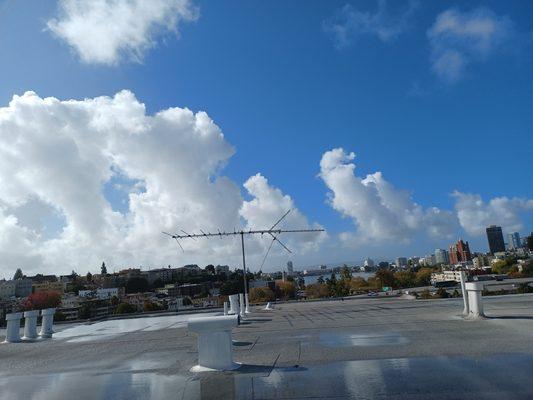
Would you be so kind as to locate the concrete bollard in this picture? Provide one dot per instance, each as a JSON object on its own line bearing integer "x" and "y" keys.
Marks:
{"x": 241, "y": 304}
{"x": 475, "y": 302}
{"x": 268, "y": 307}
{"x": 247, "y": 302}
{"x": 30, "y": 325}
{"x": 234, "y": 304}
{"x": 215, "y": 351}
{"x": 47, "y": 328}
{"x": 466, "y": 309}
{"x": 225, "y": 308}
{"x": 13, "y": 327}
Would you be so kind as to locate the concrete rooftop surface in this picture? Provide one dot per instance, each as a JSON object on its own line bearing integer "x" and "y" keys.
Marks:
{"x": 375, "y": 348}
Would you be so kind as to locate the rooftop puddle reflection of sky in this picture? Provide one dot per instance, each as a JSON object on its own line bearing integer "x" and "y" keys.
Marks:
{"x": 495, "y": 377}
{"x": 112, "y": 328}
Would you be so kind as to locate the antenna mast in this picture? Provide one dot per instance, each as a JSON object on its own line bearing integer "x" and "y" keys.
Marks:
{"x": 274, "y": 233}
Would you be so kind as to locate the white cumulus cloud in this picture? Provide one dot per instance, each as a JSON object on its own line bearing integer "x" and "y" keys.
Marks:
{"x": 349, "y": 23}
{"x": 460, "y": 38}
{"x": 475, "y": 214}
{"x": 377, "y": 208}
{"x": 56, "y": 158}
{"x": 106, "y": 31}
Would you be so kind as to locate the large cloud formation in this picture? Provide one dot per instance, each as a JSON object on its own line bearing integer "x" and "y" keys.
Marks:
{"x": 378, "y": 209}
{"x": 460, "y": 38}
{"x": 58, "y": 158}
{"x": 105, "y": 31}
{"x": 381, "y": 212}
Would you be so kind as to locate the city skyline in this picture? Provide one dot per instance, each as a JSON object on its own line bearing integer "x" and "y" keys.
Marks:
{"x": 103, "y": 147}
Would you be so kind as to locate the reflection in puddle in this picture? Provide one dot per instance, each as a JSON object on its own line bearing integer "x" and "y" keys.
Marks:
{"x": 434, "y": 377}
{"x": 111, "y": 328}
{"x": 345, "y": 339}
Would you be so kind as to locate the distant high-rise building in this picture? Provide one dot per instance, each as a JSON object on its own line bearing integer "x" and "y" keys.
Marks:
{"x": 460, "y": 252}
{"x": 495, "y": 238}
{"x": 290, "y": 270}
{"x": 368, "y": 262}
{"x": 441, "y": 256}
{"x": 401, "y": 262}
{"x": 514, "y": 241}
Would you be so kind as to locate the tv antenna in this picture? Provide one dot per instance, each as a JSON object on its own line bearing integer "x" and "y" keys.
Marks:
{"x": 272, "y": 232}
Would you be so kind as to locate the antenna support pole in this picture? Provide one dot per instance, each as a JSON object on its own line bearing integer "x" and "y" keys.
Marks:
{"x": 244, "y": 265}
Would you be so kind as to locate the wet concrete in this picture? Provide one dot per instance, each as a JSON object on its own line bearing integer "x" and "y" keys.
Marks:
{"x": 361, "y": 349}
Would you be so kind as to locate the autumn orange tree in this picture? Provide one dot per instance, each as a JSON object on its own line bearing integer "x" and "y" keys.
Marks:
{"x": 42, "y": 300}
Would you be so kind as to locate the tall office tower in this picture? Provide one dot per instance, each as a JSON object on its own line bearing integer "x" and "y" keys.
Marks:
{"x": 441, "y": 256}
{"x": 495, "y": 238}
{"x": 290, "y": 270}
{"x": 460, "y": 252}
{"x": 514, "y": 241}
{"x": 401, "y": 262}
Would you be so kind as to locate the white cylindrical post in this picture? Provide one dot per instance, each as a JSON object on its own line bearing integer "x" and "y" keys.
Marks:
{"x": 247, "y": 302}
{"x": 47, "y": 328}
{"x": 475, "y": 301}
{"x": 234, "y": 304}
{"x": 13, "y": 327}
{"x": 30, "y": 325}
{"x": 215, "y": 351}
{"x": 466, "y": 309}
{"x": 241, "y": 304}
{"x": 225, "y": 308}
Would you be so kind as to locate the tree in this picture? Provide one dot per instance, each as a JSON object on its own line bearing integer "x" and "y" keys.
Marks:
{"x": 42, "y": 300}
{"x": 136, "y": 284}
{"x": 158, "y": 283}
{"x": 89, "y": 277}
{"x": 386, "y": 277}
{"x": 405, "y": 279}
{"x": 261, "y": 295}
{"x": 125, "y": 308}
{"x": 317, "y": 291}
{"x": 210, "y": 269}
{"x": 423, "y": 276}
{"x": 103, "y": 270}
{"x": 18, "y": 274}
{"x": 286, "y": 290}
{"x": 320, "y": 279}
{"x": 346, "y": 273}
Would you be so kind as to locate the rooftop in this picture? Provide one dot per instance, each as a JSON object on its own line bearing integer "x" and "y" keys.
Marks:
{"x": 375, "y": 348}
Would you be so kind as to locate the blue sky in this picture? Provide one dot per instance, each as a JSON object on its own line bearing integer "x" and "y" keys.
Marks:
{"x": 284, "y": 89}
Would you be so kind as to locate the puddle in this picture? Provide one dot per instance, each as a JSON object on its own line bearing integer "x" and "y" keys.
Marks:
{"x": 347, "y": 339}
{"x": 113, "y": 328}
{"x": 420, "y": 378}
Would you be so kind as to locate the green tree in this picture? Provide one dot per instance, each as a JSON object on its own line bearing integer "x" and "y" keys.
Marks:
{"x": 346, "y": 273}
{"x": 386, "y": 277}
{"x": 89, "y": 277}
{"x": 320, "y": 279}
{"x": 18, "y": 274}
{"x": 125, "y": 308}
{"x": 405, "y": 279}
{"x": 423, "y": 276}
{"x": 136, "y": 284}
{"x": 103, "y": 270}
{"x": 210, "y": 269}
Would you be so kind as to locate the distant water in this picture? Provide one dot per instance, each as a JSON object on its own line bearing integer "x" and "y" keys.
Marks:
{"x": 309, "y": 280}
